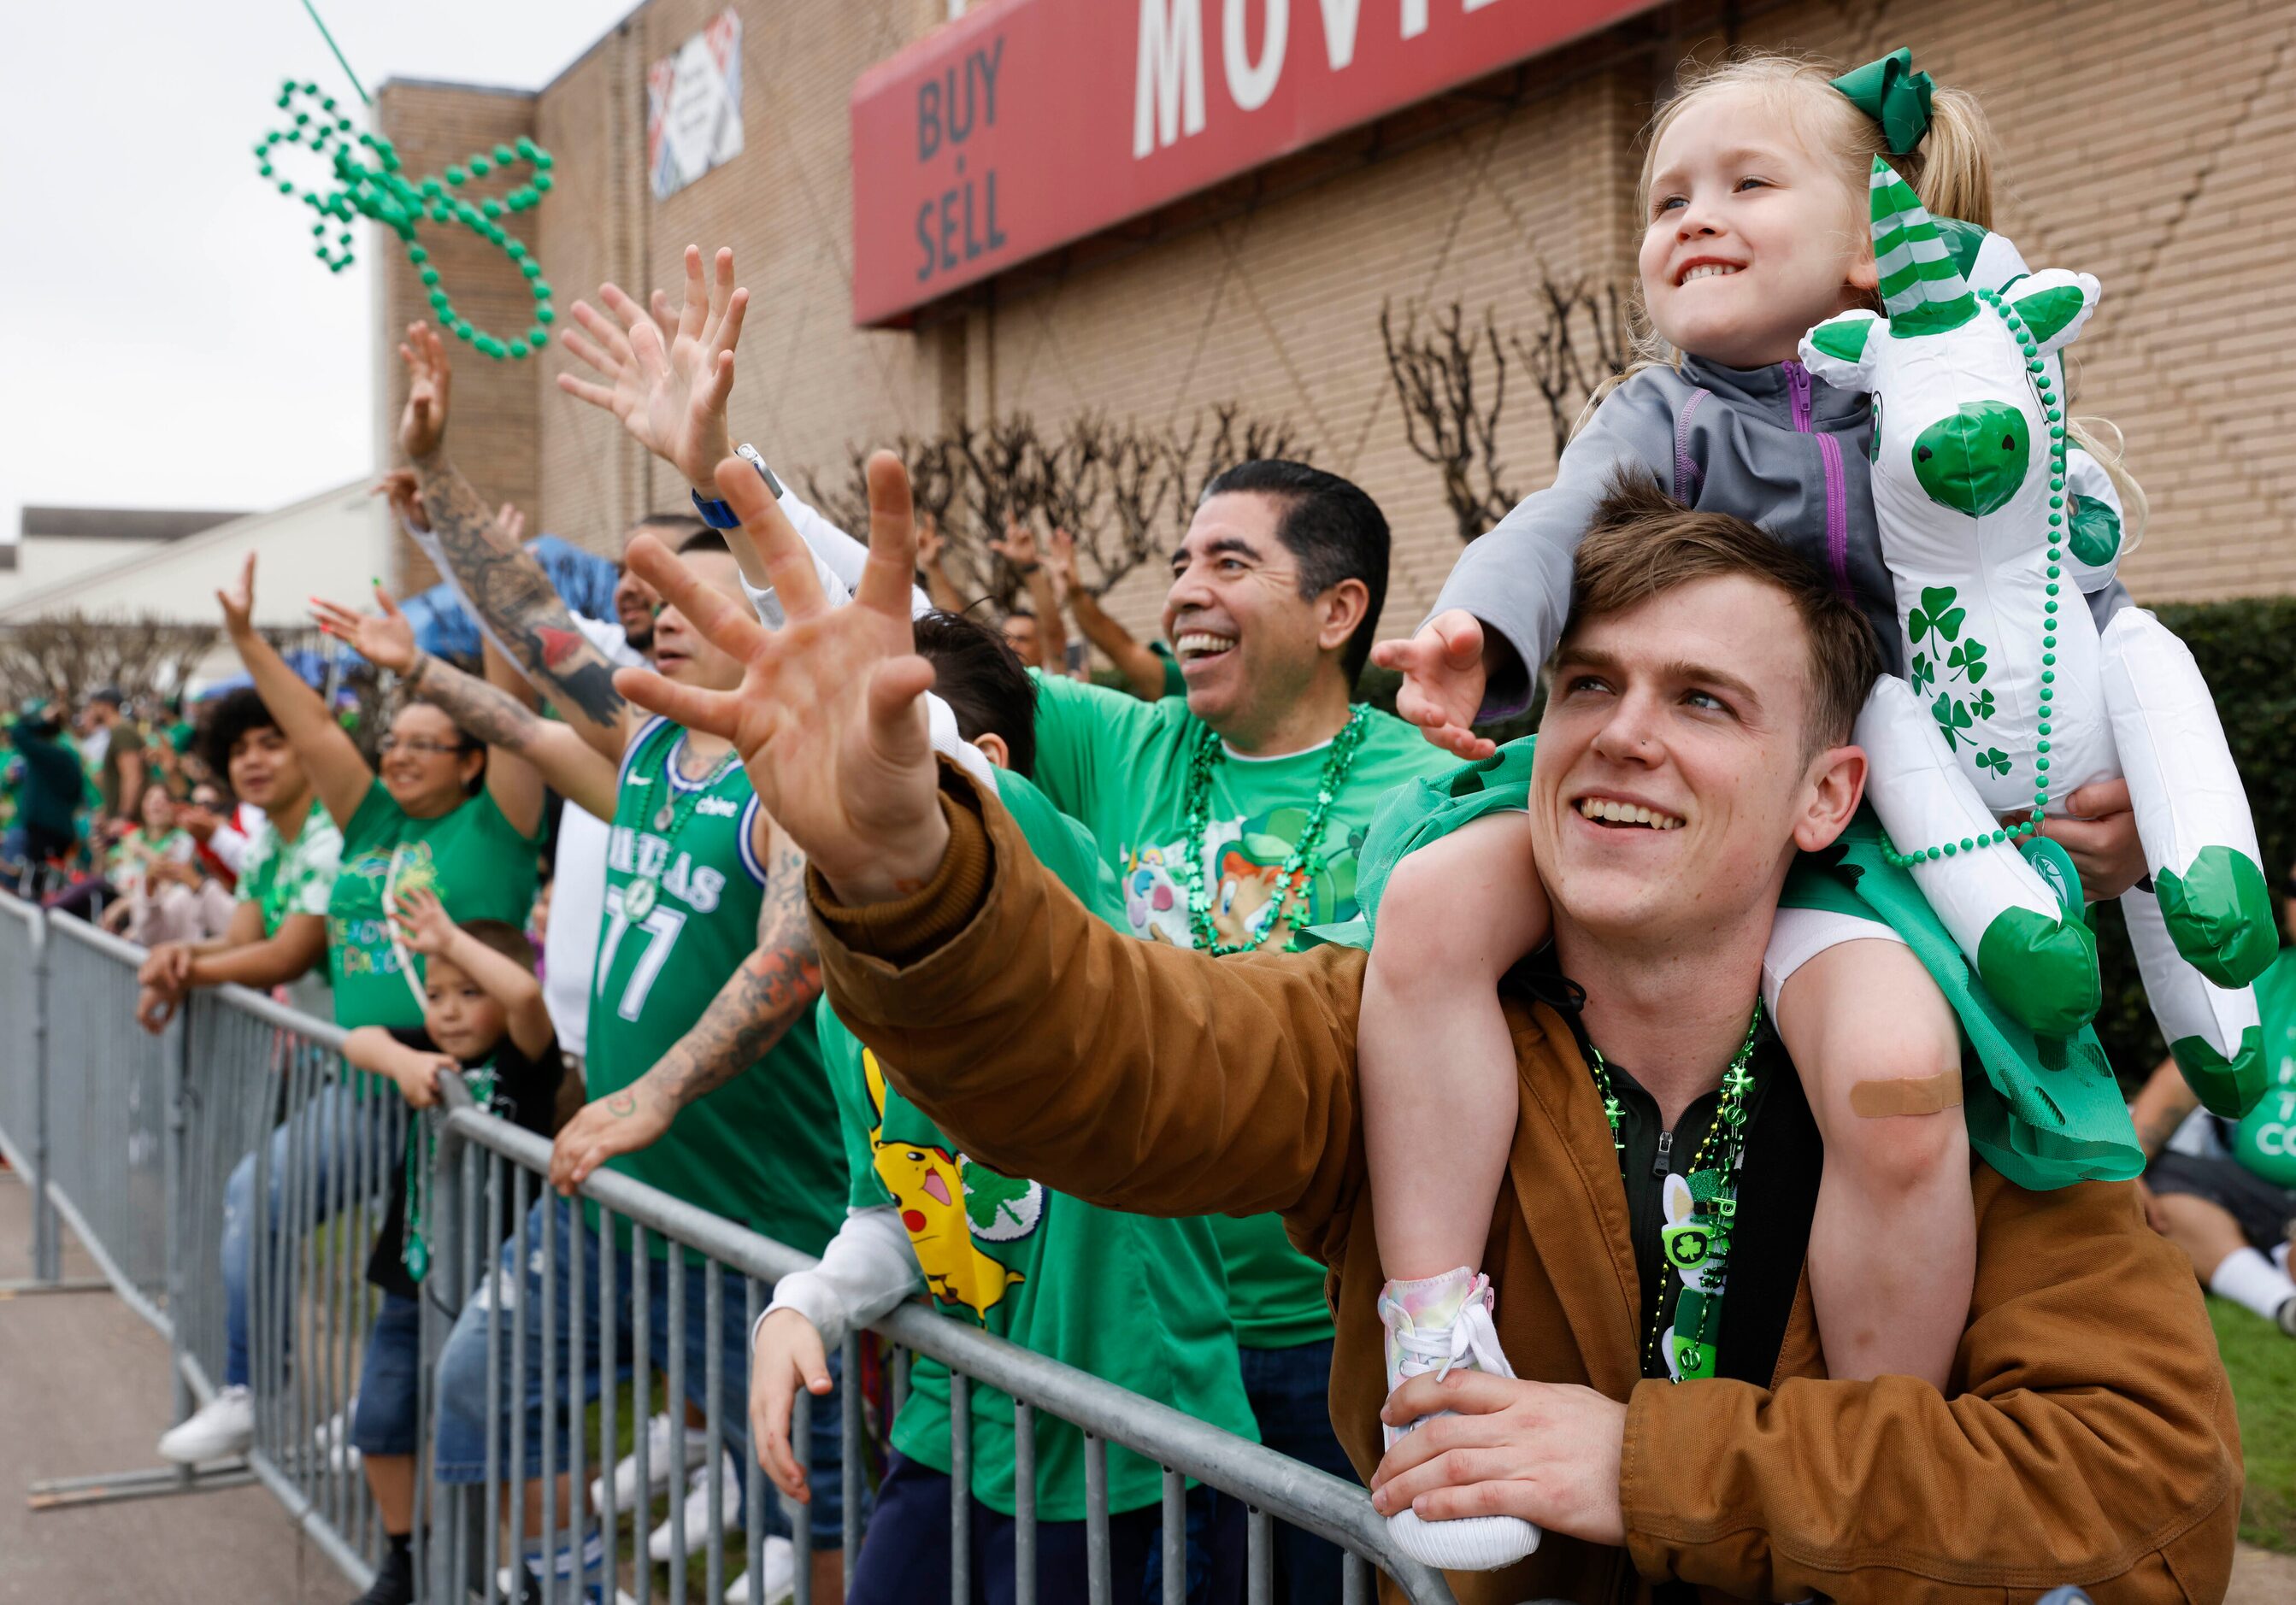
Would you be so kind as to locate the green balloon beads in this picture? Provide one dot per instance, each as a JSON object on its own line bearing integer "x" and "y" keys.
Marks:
{"x": 366, "y": 170}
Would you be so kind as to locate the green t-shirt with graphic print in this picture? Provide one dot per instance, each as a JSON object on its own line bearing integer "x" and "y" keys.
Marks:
{"x": 283, "y": 878}
{"x": 1120, "y": 766}
{"x": 683, "y": 895}
{"x": 1138, "y": 1301}
{"x": 477, "y": 863}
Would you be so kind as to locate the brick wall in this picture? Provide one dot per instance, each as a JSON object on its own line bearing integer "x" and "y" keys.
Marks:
{"x": 497, "y": 423}
{"x": 2143, "y": 143}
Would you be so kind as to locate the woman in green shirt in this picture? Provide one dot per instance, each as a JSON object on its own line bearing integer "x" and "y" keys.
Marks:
{"x": 441, "y": 815}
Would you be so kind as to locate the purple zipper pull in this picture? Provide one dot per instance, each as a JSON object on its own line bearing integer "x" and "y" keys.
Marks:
{"x": 1797, "y": 382}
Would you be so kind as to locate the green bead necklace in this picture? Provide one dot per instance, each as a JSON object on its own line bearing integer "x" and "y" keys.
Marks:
{"x": 2036, "y": 371}
{"x": 377, "y": 190}
{"x": 1300, "y": 867}
{"x": 1701, "y": 1245}
{"x": 415, "y": 1242}
{"x": 639, "y": 895}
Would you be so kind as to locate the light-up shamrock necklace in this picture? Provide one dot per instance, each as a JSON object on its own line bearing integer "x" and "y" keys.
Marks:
{"x": 376, "y": 189}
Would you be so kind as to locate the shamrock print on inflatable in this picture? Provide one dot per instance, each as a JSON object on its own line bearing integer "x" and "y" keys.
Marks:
{"x": 1997, "y": 527}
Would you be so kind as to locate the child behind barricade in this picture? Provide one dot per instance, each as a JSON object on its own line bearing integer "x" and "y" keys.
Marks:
{"x": 482, "y": 1019}
{"x": 1755, "y": 194}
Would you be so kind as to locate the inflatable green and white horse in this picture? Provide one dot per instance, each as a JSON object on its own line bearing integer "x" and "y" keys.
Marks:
{"x": 1995, "y": 527}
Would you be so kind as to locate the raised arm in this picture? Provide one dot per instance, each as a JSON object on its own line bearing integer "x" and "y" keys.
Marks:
{"x": 538, "y": 747}
{"x": 425, "y": 927}
{"x": 1142, "y": 668}
{"x": 338, "y": 772}
{"x": 1046, "y": 1043}
{"x": 513, "y": 598}
{"x": 774, "y": 989}
{"x": 1019, "y": 548}
{"x": 938, "y": 586}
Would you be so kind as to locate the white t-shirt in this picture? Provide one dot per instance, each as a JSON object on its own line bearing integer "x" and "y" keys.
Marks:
{"x": 577, "y": 886}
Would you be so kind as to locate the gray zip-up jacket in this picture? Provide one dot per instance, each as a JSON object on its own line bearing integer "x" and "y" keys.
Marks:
{"x": 1776, "y": 446}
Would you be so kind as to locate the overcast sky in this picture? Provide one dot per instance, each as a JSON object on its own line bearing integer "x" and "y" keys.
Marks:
{"x": 172, "y": 342}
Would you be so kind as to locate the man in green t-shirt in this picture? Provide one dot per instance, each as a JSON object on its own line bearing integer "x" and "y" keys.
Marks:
{"x": 1138, "y": 1300}
{"x": 1234, "y": 819}
{"x": 2225, "y": 1191}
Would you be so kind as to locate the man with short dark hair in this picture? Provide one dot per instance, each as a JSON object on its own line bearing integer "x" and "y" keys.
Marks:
{"x": 2090, "y": 1437}
{"x": 1234, "y": 818}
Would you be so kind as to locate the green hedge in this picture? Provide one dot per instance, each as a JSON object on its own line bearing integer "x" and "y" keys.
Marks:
{"x": 2247, "y": 650}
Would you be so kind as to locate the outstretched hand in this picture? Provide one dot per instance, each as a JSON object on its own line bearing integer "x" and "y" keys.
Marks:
{"x": 404, "y": 492}
{"x": 423, "y": 921}
{"x": 422, "y": 423}
{"x": 238, "y": 601}
{"x": 1443, "y": 678}
{"x": 830, "y": 715}
{"x": 386, "y": 640}
{"x": 1018, "y": 548}
{"x": 667, "y": 382}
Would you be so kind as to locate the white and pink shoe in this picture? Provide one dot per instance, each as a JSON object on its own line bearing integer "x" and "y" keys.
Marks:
{"x": 1442, "y": 1324}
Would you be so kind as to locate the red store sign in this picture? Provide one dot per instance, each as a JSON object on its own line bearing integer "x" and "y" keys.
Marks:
{"x": 1028, "y": 124}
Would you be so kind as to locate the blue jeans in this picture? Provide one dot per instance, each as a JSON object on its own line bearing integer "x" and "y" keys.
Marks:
{"x": 1289, "y": 1391}
{"x": 904, "y": 1557}
{"x": 383, "y": 1418}
{"x": 465, "y": 1413}
{"x": 328, "y": 1133}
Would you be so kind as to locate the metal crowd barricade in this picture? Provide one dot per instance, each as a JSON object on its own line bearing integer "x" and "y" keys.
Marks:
{"x": 111, "y": 1085}
{"x": 313, "y": 1145}
{"x": 135, "y": 1140}
{"x": 479, "y": 1159}
{"x": 23, "y": 1078}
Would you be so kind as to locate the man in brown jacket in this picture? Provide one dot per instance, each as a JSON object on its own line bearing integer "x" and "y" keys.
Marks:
{"x": 2088, "y": 1435}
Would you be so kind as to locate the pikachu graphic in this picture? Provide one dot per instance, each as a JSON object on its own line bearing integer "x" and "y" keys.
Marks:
{"x": 947, "y": 1202}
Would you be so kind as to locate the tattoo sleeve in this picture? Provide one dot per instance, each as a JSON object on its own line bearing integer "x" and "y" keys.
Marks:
{"x": 521, "y": 608}
{"x": 758, "y": 1003}
{"x": 485, "y": 713}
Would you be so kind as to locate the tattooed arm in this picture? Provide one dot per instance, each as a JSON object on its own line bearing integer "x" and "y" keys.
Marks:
{"x": 771, "y": 992}
{"x": 489, "y": 713}
{"x": 514, "y": 597}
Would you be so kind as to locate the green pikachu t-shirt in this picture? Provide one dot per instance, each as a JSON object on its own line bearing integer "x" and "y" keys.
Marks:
{"x": 1139, "y": 1301}
{"x": 1120, "y": 766}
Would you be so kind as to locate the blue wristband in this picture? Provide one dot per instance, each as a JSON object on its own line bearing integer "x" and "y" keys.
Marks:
{"x": 717, "y": 515}
{"x": 720, "y": 515}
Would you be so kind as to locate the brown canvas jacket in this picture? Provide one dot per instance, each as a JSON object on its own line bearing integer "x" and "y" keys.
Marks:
{"x": 2089, "y": 1439}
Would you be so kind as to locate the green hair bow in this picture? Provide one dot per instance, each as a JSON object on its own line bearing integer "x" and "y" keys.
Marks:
{"x": 1893, "y": 95}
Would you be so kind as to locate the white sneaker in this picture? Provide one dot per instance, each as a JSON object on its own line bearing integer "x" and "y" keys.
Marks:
{"x": 779, "y": 1559}
{"x": 223, "y": 1426}
{"x": 696, "y": 1513}
{"x": 592, "y": 1593}
{"x": 661, "y": 1453}
{"x": 1441, "y": 1324}
{"x": 333, "y": 1440}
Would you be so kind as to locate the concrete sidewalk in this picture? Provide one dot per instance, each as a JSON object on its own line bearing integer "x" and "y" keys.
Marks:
{"x": 83, "y": 1389}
